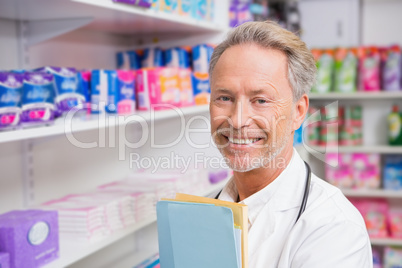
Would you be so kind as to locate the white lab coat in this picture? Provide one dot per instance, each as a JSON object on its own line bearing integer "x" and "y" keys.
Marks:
{"x": 330, "y": 233}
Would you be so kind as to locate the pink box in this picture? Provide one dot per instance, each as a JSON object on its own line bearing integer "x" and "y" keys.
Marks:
{"x": 338, "y": 170}
{"x": 366, "y": 170}
{"x": 157, "y": 88}
{"x": 186, "y": 88}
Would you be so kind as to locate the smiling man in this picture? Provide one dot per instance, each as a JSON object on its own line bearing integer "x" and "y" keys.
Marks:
{"x": 260, "y": 76}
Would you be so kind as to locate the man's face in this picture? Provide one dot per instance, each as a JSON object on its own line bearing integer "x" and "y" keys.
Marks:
{"x": 251, "y": 106}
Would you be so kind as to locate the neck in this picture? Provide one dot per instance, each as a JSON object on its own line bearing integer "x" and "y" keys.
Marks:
{"x": 250, "y": 182}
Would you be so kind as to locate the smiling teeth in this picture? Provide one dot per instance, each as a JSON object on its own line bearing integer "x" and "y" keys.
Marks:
{"x": 242, "y": 141}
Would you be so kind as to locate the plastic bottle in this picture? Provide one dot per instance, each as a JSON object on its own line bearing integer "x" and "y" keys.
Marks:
{"x": 394, "y": 126}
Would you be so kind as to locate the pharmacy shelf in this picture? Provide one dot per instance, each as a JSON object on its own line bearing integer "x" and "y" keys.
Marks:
{"x": 64, "y": 126}
{"x": 381, "y": 149}
{"x": 372, "y": 193}
{"x": 357, "y": 95}
{"x": 386, "y": 242}
{"x": 71, "y": 252}
{"x": 105, "y": 15}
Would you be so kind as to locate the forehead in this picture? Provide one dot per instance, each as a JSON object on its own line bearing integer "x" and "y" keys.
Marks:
{"x": 250, "y": 64}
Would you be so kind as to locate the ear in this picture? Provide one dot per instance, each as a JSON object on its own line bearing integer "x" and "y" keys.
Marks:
{"x": 301, "y": 108}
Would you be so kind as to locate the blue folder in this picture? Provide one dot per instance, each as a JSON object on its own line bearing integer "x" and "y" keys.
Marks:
{"x": 194, "y": 235}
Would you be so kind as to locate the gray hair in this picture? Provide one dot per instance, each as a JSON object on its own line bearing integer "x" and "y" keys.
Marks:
{"x": 268, "y": 34}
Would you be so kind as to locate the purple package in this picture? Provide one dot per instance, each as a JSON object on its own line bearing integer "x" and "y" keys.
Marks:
{"x": 233, "y": 14}
{"x": 391, "y": 60}
{"x": 67, "y": 88}
{"x": 141, "y": 3}
{"x": 31, "y": 237}
{"x": 10, "y": 99}
{"x": 4, "y": 260}
{"x": 38, "y": 105}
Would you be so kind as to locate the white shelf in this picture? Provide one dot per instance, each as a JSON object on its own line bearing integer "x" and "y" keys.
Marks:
{"x": 372, "y": 193}
{"x": 71, "y": 252}
{"x": 135, "y": 259}
{"x": 106, "y": 16}
{"x": 357, "y": 95}
{"x": 386, "y": 242}
{"x": 381, "y": 149}
{"x": 94, "y": 122}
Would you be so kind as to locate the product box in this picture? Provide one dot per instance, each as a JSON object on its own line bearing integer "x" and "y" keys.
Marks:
{"x": 126, "y": 87}
{"x": 84, "y": 81}
{"x": 186, "y": 87}
{"x": 201, "y": 57}
{"x": 4, "y": 260}
{"x": 10, "y": 99}
{"x": 151, "y": 58}
{"x": 104, "y": 91}
{"x": 366, "y": 170}
{"x": 345, "y": 70}
{"x": 178, "y": 57}
{"x": 369, "y": 69}
{"x": 392, "y": 257}
{"x": 313, "y": 125}
{"x": 201, "y": 88}
{"x": 157, "y": 88}
{"x": 325, "y": 67}
{"x": 170, "y": 6}
{"x": 200, "y": 9}
{"x": 391, "y": 62}
{"x": 329, "y": 125}
{"x": 338, "y": 171}
{"x": 38, "y": 99}
{"x": 392, "y": 172}
{"x": 185, "y": 7}
{"x": 128, "y": 60}
{"x": 68, "y": 94}
{"x": 395, "y": 222}
{"x": 31, "y": 237}
{"x": 374, "y": 212}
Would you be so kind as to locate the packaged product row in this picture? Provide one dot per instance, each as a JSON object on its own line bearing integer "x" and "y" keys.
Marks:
{"x": 364, "y": 171}
{"x": 196, "y": 9}
{"x": 389, "y": 257}
{"x": 30, "y": 238}
{"x": 36, "y": 98}
{"x": 334, "y": 125}
{"x": 382, "y": 221}
{"x": 358, "y": 69}
{"x": 197, "y": 58}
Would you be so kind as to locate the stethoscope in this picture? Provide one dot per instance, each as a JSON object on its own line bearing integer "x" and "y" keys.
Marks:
{"x": 305, "y": 195}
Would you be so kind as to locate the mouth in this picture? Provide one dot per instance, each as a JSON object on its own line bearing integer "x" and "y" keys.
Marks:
{"x": 242, "y": 141}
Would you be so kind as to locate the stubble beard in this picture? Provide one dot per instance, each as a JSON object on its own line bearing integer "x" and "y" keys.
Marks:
{"x": 243, "y": 162}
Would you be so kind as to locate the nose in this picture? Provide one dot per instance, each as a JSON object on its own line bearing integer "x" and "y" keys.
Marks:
{"x": 240, "y": 117}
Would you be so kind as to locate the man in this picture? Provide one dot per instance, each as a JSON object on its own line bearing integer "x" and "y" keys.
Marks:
{"x": 260, "y": 76}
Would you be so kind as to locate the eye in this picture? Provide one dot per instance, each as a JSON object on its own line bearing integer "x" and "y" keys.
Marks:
{"x": 224, "y": 98}
{"x": 261, "y": 101}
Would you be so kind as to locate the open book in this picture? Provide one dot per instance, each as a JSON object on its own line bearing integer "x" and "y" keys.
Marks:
{"x": 202, "y": 232}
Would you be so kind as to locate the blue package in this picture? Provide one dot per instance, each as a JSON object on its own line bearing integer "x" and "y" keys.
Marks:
{"x": 298, "y": 136}
{"x": 104, "y": 91}
{"x": 392, "y": 172}
{"x": 68, "y": 94}
{"x": 84, "y": 82}
{"x": 152, "y": 57}
{"x": 177, "y": 57}
{"x": 201, "y": 57}
{"x": 129, "y": 60}
{"x": 38, "y": 99}
{"x": 126, "y": 90}
{"x": 10, "y": 99}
